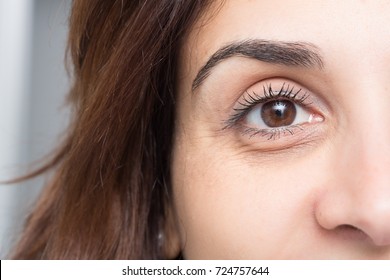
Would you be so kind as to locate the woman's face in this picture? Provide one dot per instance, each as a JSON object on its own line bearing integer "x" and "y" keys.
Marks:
{"x": 282, "y": 136}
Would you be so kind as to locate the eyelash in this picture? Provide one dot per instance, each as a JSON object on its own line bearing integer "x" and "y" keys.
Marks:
{"x": 253, "y": 99}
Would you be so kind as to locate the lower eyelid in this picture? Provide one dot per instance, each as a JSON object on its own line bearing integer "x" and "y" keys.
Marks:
{"x": 282, "y": 140}
{"x": 272, "y": 133}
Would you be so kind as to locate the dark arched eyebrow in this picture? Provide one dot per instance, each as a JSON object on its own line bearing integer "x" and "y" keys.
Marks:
{"x": 276, "y": 52}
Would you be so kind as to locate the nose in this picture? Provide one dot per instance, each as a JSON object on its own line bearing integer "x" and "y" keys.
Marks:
{"x": 356, "y": 196}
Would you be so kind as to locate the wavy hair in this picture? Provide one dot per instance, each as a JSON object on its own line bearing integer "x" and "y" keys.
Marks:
{"x": 108, "y": 197}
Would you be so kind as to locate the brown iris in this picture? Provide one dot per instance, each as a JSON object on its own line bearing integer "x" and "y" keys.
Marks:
{"x": 278, "y": 113}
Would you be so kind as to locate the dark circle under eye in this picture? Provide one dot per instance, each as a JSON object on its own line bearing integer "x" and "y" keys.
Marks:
{"x": 278, "y": 113}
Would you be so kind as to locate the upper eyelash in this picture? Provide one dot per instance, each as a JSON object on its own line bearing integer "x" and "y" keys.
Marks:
{"x": 253, "y": 99}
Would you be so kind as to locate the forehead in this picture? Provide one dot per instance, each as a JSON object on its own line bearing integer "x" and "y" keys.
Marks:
{"x": 294, "y": 19}
{"x": 335, "y": 26}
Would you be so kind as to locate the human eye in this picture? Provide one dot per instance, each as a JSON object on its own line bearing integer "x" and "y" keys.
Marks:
{"x": 274, "y": 111}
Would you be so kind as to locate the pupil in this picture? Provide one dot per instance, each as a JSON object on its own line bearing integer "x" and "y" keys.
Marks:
{"x": 278, "y": 113}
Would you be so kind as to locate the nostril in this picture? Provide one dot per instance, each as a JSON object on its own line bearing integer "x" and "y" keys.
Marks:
{"x": 347, "y": 227}
{"x": 351, "y": 232}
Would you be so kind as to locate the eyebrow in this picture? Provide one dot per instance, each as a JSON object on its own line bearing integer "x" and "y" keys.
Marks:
{"x": 290, "y": 54}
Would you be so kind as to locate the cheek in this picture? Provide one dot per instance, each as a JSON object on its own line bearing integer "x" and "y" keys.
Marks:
{"x": 228, "y": 207}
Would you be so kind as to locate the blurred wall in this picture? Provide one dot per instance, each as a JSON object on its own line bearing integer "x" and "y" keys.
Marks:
{"x": 33, "y": 85}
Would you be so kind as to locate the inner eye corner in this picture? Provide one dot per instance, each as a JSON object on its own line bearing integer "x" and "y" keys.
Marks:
{"x": 316, "y": 118}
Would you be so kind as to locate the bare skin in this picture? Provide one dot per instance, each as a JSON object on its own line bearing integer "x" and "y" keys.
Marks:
{"x": 279, "y": 161}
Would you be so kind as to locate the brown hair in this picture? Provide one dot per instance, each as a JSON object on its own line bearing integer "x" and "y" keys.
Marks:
{"x": 108, "y": 197}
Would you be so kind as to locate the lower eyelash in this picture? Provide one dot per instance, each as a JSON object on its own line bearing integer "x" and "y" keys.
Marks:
{"x": 272, "y": 133}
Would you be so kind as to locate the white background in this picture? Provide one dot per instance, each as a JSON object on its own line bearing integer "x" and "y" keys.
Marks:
{"x": 33, "y": 86}
{"x": 277, "y": 270}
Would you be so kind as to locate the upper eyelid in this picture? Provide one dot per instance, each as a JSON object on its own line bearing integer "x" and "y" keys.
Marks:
{"x": 270, "y": 94}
